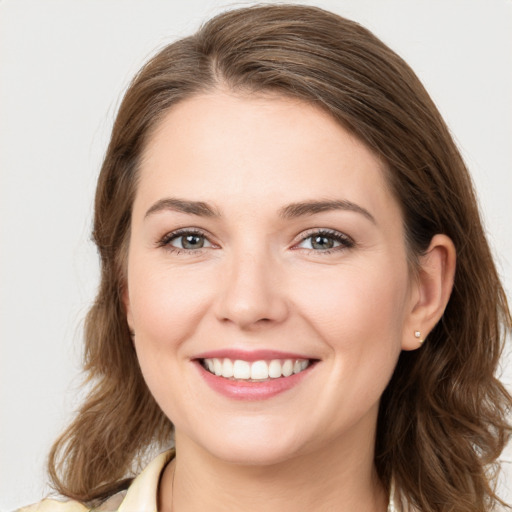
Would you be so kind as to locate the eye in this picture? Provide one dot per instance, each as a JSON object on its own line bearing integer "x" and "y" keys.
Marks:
{"x": 325, "y": 241}
{"x": 185, "y": 240}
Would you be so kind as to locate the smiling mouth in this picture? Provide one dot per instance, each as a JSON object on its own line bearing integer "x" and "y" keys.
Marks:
{"x": 255, "y": 371}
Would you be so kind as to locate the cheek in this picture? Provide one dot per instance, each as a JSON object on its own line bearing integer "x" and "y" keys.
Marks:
{"x": 166, "y": 308}
{"x": 359, "y": 316}
{"x": 356, "y": 301}
{"x": 166, "y": 305}
{"x": 359, "y": 313}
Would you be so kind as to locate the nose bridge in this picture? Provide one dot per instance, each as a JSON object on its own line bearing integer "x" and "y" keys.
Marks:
{"x": 250, "y": 292}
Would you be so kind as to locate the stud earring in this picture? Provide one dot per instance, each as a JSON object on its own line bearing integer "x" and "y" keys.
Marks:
{"x": 417, "y": 335}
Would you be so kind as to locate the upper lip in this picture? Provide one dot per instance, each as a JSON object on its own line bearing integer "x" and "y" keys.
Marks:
{"x": 250, "y": 355}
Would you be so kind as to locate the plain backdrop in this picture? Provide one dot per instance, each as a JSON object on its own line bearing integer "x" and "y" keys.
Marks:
{"x": 63, "y": 67}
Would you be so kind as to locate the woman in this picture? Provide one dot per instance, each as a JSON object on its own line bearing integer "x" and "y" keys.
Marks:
{"x": 295, "y": 286}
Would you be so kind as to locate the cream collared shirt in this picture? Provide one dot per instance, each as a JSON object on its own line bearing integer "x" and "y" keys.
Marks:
{"x": 141, "y": 496}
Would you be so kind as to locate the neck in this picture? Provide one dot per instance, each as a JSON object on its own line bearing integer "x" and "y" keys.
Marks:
{"x": 341, "y": 477}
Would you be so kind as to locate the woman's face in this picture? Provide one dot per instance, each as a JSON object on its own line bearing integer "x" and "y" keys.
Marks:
{"x": 264, "y": 242}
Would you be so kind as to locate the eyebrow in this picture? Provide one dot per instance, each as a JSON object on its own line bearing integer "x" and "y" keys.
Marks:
{"x": 295, "y": 210}
{"x": 291, "y": 211}
{"x": 183, "y": 206}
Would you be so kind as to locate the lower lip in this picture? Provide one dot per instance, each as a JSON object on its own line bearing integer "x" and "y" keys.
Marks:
{"x": 244, "y": 390}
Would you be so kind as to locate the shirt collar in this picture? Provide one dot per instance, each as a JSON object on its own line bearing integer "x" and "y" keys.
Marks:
{"x": 142, "y": 494}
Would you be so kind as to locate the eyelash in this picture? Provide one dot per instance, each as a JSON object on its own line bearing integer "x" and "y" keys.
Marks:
{"x": 165, "y": 241}
{"x": 345, "y": 241}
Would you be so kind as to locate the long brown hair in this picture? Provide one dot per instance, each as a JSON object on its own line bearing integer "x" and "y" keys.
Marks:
{"x": 442, "y": 421}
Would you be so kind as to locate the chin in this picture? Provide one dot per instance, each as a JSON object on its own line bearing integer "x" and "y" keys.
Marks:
{"x": 254, "y": 454}
{"x": 255, "y": 447}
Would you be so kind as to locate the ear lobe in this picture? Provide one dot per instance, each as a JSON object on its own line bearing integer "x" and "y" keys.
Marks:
{"x": 433, "y": 288}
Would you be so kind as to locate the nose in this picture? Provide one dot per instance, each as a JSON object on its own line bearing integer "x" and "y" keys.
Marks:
{"x": 251, "y": 292}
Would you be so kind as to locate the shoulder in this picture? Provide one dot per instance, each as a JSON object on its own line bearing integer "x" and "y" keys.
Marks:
{"x": 141, "y": 496}
{"x": 52, "y": 505}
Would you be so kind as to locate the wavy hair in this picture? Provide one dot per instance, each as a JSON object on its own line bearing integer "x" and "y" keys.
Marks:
{"x": 443, "y": 417}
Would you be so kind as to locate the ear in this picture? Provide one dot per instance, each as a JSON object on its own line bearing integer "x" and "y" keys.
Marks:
{"x": 430, "y": 292}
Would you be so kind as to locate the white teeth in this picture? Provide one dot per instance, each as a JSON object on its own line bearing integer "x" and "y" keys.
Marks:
{"x": 287, "y": 368}
{"x": 275, "y": 369}
{"x": 217, "y": 366}
{"x": 241, "y": 369}
{"x": 227, "y": 368}
{"x": 257, "y": 370}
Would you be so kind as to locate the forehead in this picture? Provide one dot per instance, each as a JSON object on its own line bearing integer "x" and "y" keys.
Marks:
{"x": 260, "y": 149}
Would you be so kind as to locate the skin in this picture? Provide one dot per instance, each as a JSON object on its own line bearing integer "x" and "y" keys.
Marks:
{"x": 258, "y": 283}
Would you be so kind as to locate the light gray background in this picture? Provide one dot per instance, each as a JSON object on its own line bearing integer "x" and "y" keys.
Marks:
{"x": 63, "y": 67}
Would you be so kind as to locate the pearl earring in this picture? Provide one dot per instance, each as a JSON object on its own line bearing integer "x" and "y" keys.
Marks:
{"x": 417, "y": 335}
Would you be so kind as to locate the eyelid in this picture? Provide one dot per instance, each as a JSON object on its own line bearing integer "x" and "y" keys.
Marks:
{"x": 165, "y": 240}
{"x": 346, "y": 242}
